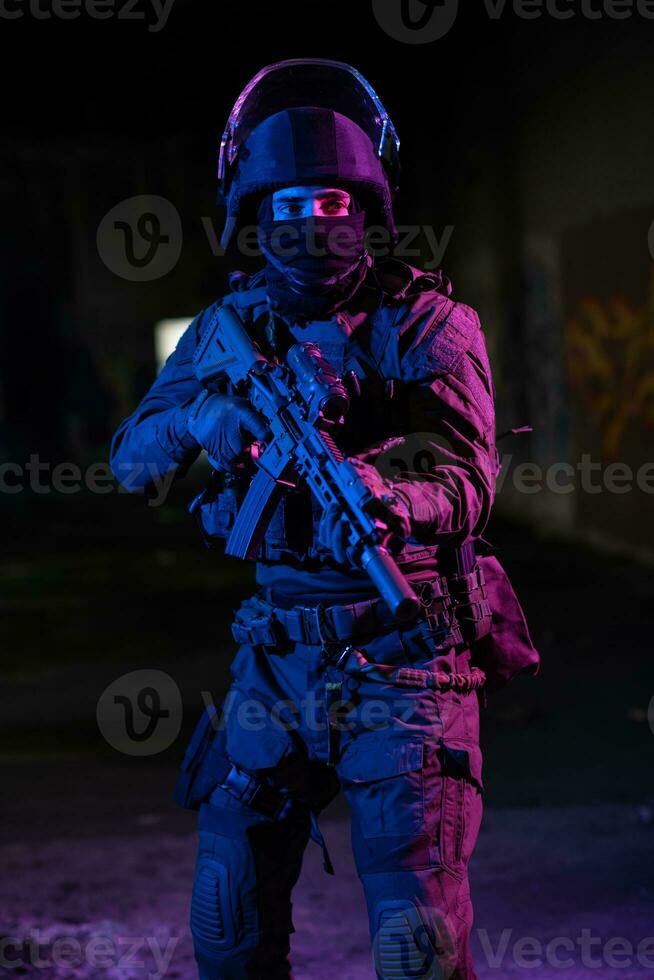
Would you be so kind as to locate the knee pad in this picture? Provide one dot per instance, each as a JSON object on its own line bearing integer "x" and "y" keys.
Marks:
{"x": 223, "y": 915}
{"x": 227, "y": 942}
{"x": 411, "y": 943}
{"x": 238, "y": 930}
{"x": 212, "y": 913}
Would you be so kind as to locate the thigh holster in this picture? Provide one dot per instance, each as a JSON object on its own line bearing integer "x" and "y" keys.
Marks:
{"x": 207, "y": 767}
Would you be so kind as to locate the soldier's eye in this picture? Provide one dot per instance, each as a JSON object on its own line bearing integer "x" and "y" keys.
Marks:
{"x": 330, "y": 207}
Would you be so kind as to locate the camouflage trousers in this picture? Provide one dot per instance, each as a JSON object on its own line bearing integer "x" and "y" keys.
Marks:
{"x": 409, "y": 763}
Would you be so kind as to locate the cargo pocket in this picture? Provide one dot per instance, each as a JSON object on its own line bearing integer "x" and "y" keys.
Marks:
{"x": 461, "y": 805}
{"x": 382, "y": 779}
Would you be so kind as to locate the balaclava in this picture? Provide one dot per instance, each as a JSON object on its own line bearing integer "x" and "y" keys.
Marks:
{"x": 314, "y": 265}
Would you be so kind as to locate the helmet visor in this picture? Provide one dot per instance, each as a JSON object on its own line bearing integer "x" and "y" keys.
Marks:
{"x": 310, "y": 82}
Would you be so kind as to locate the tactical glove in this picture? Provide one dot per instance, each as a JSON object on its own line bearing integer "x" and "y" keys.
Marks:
{"x": 225, "y": 426}
{"x": 388, "y": 506}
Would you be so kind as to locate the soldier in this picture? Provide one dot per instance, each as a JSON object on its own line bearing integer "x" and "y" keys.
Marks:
{"x": 328, "y": 689}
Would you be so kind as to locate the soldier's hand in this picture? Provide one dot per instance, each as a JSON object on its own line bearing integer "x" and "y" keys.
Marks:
{"x": 388, "y": 505}
{"x": 333, "y": 535}
{"x": 225, "y": 426}
{"x": 333, "y": 530}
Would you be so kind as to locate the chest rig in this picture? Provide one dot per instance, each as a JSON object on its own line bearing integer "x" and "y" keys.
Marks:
{"x": 368, "y": 350}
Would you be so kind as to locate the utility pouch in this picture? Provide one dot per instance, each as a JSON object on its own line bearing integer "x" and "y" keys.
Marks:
{"x": 254, "y": 624}
{"x": 507, "y": 649}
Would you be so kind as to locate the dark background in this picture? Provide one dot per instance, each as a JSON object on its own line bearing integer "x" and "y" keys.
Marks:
{"x": 534, "y": 140}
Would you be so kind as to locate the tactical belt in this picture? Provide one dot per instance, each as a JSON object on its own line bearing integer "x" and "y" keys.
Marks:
{"x": 261, "y": 622}
{"x": 456, "y": 606}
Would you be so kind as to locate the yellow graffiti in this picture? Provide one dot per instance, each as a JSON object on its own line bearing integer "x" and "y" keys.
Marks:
{"x": 610, "y": 357}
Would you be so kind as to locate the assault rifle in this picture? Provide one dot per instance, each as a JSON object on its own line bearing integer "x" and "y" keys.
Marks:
{"x": 302, "y": 401}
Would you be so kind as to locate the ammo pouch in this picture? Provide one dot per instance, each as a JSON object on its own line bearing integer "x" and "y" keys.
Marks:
{"x": 506, "y": 649}
{"x": 216, "y": 507}
{"x": 254, "y": 624}
{"x": 204, "y": 765}
{"x": 470, "y": 609}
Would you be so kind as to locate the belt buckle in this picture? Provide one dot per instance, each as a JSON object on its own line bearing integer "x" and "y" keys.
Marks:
{"x": 318, "y": 625}
{"x": 308, "y": 616}
{"x": 277, "y": 639}
{"x": 252, "y": 791}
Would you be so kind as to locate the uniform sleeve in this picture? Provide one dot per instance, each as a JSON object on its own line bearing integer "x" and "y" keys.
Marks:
{"x": 453, "y": 417}
{"x": 154, "y": 441}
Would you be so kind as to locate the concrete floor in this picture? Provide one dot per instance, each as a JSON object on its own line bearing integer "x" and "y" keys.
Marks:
{"x": 538, "y": 874}
{"x": 93, "y": 846}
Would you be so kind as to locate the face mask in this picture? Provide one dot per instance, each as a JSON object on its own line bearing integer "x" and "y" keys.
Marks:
{"x": 314, "y": 265}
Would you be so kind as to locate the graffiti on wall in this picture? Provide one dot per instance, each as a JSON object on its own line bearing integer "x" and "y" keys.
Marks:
{"x": 610, "y": 356}
{"x": 608, "y": 316}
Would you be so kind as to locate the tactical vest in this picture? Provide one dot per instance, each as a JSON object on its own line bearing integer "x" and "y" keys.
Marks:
{"x": 372, "y": 357}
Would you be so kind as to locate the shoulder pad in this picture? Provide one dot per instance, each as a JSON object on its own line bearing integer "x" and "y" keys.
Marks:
{"x": 435, "y": 340}
{"x": 244, "y": 301}
{"x": 247, "y": 299}
{"x": 399, "y": 280}
{"x": 248, "y": 292}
